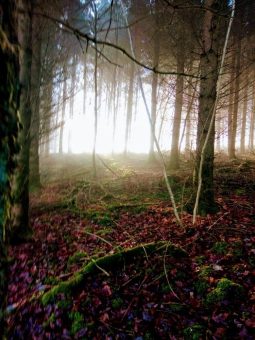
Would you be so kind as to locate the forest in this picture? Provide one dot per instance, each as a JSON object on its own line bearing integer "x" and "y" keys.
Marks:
{"x": 127, "y": 169}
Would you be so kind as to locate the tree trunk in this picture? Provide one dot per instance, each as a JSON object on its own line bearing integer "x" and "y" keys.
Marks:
{"x": 9, "y": 104}
{"x": 231, "y": 101}
{"x": 84, "y": 84}
{"x": 207, "y": 97}
{"x": 129, "y": 106}
{"x": 252, "y": 120}
{"x": 95, "y": 116}
{"x": 232, "y": 147}
{"x": 71, "y": 107}
{"x": 192, "y": 94}
{"x": 35, "y": 105}
{"x": 154, "y": 88}
{"x": 62, "y": 124}
{"x": 174, "y": 156}
{"x": 244, "y": 114}
{"x": 21, "y": 227}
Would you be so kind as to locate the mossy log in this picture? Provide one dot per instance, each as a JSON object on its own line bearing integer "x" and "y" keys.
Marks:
{"x": 111, "y": 262}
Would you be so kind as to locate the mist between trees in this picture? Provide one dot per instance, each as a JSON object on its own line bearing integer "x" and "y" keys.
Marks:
{"x": 89, "y": 72}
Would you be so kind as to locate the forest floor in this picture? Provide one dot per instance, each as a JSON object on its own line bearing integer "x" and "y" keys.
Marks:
{"x": 206, "y": 290}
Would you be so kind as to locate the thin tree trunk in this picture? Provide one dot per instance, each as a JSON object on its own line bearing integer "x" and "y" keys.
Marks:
{"x": 231, "y": 100}
{"x": 71, "y": 107}
{"x": 129, "y": 106}
{"x": 154, "y": 88}
{"x": 84, "y": 84}
{"x": 232, "y": 147}
{"x": 62, "y": 124}
{"x": 9, "y": 105}
{"x": 244, "y": 115}
{"x": 174, "y": 157}
{"x": 95, "y": 102}
{"x": 35, "y": 104}
{"x": 252, "y": 120}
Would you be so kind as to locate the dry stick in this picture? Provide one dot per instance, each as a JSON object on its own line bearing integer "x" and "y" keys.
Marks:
{"x": 153, "y": 132}
{"x": 213, "y": 114}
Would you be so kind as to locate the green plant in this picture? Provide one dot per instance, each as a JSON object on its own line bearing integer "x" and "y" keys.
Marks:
{"x": 77, "y": 322}
{"x": 205, "y": 271}
{"x": 117, "y": 303}
{"x": 220, "y": 248}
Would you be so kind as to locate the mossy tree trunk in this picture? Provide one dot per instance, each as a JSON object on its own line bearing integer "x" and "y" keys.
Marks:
{"x": 21, "y": 226}
{"x": 9, "y": 104}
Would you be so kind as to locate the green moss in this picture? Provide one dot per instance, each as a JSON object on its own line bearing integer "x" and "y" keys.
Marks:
{"x": 194, "y": 332}
{"x": 51, "y": 280}
{"x": 225, "y": 290}
{"x": 117, "y": 303}
{"x": 77, "y": 322}
{"x": 111, "y": 262}
{"x": 101, "y": 218}
{"x": 76, "y": 257}
{"x": 205, "y": 271}
{"x": 220, "y": 248}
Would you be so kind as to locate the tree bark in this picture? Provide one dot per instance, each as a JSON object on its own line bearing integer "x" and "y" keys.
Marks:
{"x": 129, "y": 106}
{"x": 63, "y": 110}
{"x": 244, "y": 114}
{"x": 35, "y": 104}
{"x": 207, "y": 97}
{"x": 21, "y": 227}
{"x": 154, "y": 86}
{"x": 252, "y": 119}
{"x": 174, "y": 156}
{"x": 9, "y": 105}
{"x": 232, "y": 147}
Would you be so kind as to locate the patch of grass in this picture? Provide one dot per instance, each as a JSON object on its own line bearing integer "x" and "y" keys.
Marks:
{"x": 77, "y": 322}
{"x": 99, "y": 217}
{"x": 220, "y": 248}
{"x": 76, "y": 257}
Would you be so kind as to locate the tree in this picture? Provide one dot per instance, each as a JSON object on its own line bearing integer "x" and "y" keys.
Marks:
{"x": 21, "y": 226}
{"x": 9, "y": 104}
{"x": 211, "y": 43}
{"x": 35, "y": 102}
